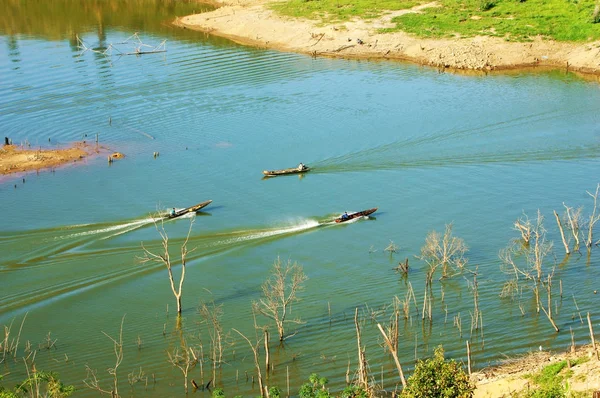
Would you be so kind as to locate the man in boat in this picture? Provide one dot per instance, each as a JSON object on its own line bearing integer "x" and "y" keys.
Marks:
{"x": 301, "y": 166}
{"x": 345, "y": 215}
{"x": 172, "y": 212}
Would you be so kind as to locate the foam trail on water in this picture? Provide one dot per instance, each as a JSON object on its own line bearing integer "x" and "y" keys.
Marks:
{"x": 120, "y": 227}
{"x": 303, "y": 226}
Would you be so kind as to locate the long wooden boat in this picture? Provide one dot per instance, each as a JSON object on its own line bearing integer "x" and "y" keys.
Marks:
{"x": 190, "y": 209}
{"x": 352, "y": 216}
{"x": 293, "y": 170}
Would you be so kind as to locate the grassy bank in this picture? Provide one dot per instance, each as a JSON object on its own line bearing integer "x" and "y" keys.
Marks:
{"x": 561, "y": 20}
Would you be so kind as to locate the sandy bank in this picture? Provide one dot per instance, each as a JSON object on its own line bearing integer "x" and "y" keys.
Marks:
{"x": 17, "y": 159}
{"x": 250, "y": 22}
{"x": 582, "y": 373}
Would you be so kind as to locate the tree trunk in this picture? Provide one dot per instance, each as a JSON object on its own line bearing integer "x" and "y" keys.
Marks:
{"x": 562, "y": 234}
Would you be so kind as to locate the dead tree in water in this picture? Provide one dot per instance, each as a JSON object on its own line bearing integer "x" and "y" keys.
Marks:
{"x": 593, "y": 218}
{"x": 263, "y": 389}
{"x": 279, "y": 292}
{"x": 574, "y": 222}
{"x": 363, "y": 374}
{"x": 165, "y": 259}
{"x": 532, "y": 271}
{"x": 562, "y": 233}
{"x": 548, "y": 311}
{"x": 92, "y": 381}
{"x": 446, "y": 251}
{"x": 212, "y": 313}
{"x": 185, "y": 359}
{"x": 523, "y": 225}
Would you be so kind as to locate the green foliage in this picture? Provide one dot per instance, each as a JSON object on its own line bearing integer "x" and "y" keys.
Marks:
{"x": 436, "y": 377}
{"x": 341, "y": 10}
{"x": 29, "y": 387}
{"x": 485, "y": 5}
{"x": 218, "y": 393}
{"x": 274, "y": 392}
{"x": 596, "y": 14}
{"x": 315, "y": 388}
{"x": 548, "y": 375}
{"x": 354, "y": 392}
{"x": 561, "y": 20}
{"x": 550, "y": 391}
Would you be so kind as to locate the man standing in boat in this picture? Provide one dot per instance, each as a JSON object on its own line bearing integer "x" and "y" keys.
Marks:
{"x": 301, "y": 166}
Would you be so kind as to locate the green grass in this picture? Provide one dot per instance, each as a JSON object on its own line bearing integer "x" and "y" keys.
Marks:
{"x": 331, "y": 11}
{"x": 561, "y": 20}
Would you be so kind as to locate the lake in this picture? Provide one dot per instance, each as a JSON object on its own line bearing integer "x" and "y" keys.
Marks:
{"x": 426, "y": 148}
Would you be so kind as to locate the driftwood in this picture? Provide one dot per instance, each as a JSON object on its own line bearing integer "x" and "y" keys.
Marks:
{"x": 321, "y": 36}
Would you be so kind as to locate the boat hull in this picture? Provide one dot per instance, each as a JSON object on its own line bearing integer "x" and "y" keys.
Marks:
{"x": 190, "y": 209}
{"x": 295, "y": 170}
{"x": 352, "y": 216}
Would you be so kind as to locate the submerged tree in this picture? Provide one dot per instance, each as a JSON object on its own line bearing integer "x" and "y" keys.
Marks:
{"x": 527, "y": 265}
{"x": 446, "y": 251}
{"x": 165, "y": 259}
{"x": 594, "y": 217}
{"x": 279, "y": 292}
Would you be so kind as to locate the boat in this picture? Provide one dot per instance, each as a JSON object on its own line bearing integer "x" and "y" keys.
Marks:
{"x": 190, "y": 209}
{"x": 293, "y": 170}
{"x": 352, "y": 216}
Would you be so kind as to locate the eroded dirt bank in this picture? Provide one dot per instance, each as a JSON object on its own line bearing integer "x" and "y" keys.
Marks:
{"x": 250, "y": 22}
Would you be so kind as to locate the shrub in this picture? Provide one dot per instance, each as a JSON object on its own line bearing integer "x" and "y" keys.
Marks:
{"x": 274, "y": 392}
{"x": 354, "y": 392}
{"x": 485, "y": 5}
{"x": 315, "y": 388}
{"x": 436, "y": 377}
{"x": 218, "y": 393}
{"x": 596, "y": 14}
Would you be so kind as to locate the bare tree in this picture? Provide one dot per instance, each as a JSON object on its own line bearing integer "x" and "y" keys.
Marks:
{"x": 593, "y": 218}
{"x": 562, "y": 233}
{"x": 212, "y": 314}
{"x": 184, "y": 358}
{"x": 264, "y": 392}
{"x": 363, "y": 373}
{"x": 573, "y": 216}
{"x": 92, "y": 380}
{"x": 165, "y": 259}
{"x": 446, "y": 251}
{"x": 532, "y": 270}
{"x": 523, "y": 225}
{"x": 279, "y": 292}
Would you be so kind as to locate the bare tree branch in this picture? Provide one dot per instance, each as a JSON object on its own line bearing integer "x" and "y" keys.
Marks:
{"x": 279, "y": 292}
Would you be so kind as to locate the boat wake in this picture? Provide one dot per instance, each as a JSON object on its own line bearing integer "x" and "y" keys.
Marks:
{"x": 269, "y": 233}
{"x": 118, "y": 228}
{"x": 505, "y": 142}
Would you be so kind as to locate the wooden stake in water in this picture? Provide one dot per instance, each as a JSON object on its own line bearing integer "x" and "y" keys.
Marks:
{"x": 469, "y": 357}
{"x": 592, "y": 335}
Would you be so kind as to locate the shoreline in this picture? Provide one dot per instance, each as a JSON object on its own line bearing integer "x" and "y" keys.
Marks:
{"x": 16, "y": 160}
{"x": 252, "y": 23}
{"x": 515, "y": 375}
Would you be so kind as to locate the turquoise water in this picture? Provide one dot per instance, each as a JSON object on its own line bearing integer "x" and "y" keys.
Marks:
{"x": 426, "y": 148}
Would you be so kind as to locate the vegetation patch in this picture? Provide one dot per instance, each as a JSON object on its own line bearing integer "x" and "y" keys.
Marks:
{"x": 341, "y": 10}
{"x": 561, "y": 20}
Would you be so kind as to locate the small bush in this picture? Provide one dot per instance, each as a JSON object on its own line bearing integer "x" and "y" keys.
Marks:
{"x": 315, "y": 388}
{"x": 485, "y": 5}
{"x": 354, "y": 391}
{"x": 218, "y": 393}
{"x": 548, "y": 391}
{"x": 596, "y": 14}
{"x": 436, "y": 377}
{"x": 274, "y": 392}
